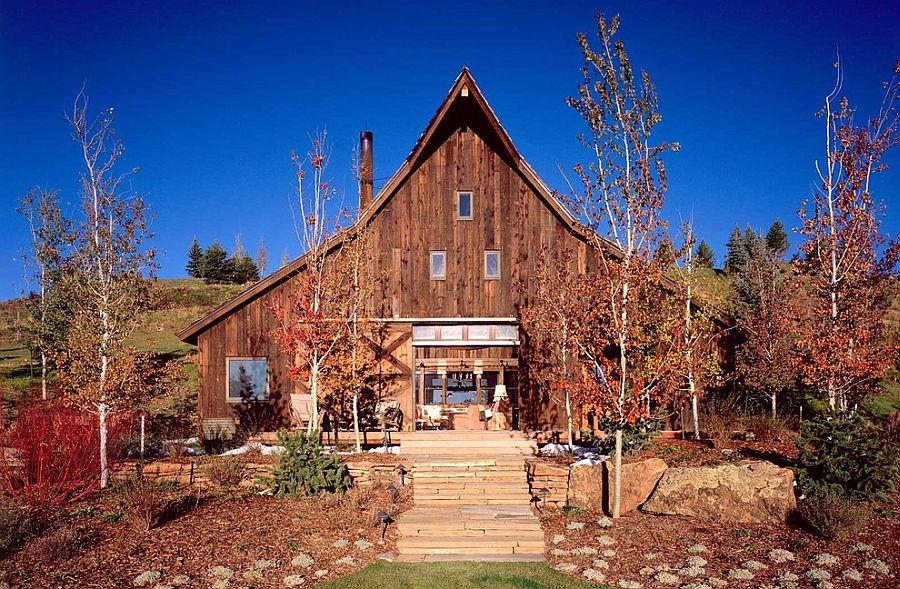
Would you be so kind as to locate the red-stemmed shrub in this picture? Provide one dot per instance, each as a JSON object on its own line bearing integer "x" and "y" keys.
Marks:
{"x": 51, "y": 454}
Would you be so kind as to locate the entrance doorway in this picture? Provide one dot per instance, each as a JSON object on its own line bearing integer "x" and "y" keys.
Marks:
{"x": 462, "y": 397}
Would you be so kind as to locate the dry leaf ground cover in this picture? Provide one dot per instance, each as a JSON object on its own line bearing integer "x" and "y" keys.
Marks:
{"x": 234, "y": 539}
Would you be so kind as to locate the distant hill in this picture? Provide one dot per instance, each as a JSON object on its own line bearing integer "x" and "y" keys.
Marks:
{"x": 175, "y": 304}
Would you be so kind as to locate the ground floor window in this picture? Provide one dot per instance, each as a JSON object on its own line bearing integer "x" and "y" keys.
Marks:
{"x": 434, "y": 389}
{"x": 248, "y": 380}
{"x": 462, "y": 387}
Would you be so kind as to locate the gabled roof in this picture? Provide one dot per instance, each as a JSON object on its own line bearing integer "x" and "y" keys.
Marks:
{"x": 464, "y": 88}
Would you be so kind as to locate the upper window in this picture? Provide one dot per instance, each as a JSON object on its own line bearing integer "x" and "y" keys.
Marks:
{"x": 492, "y": 265}
{"x": 438, "y": 265}
{"x": 464, "y": 205}
{"x": 248, "y": 380}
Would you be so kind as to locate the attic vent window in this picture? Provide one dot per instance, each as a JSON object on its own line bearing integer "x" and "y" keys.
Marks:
{"x": 438, "y": 265}
{"x": 464, "y": 205}
{"x": 465, "y": 91}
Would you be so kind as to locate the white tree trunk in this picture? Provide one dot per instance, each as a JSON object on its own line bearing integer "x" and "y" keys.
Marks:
{"x": 102, "y": 411}
{"x": 774, "y": 412}
{"x": 695, "y": 414}
{"x": 617, "y": 484}
{"x": 314, "y": 392}
{"x": 44, "y": 375}
{"x": 356, "y": 421}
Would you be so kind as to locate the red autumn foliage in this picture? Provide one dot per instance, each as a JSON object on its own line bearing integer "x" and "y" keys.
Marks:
{"x": 848, "y": 263}
{"x": 51, "y": 454}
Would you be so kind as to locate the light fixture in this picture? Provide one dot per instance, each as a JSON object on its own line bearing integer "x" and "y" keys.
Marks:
{"x": 393, "y": 492}
{"x": 385, "y": 519}
{"x": 500, "y": 392}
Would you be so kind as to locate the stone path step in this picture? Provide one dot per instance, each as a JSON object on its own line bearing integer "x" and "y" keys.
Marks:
{"x": 470, "y": 508}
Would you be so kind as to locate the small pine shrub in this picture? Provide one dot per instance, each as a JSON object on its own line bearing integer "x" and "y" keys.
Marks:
{"x": 830, "y": 515}
{"x": 225, "y": 471}
{"x": 303, "y": 467}
{"x": 843, "y": 454}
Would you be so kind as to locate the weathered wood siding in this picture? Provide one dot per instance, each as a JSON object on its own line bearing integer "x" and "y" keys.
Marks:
{"x": 508, "y": 215}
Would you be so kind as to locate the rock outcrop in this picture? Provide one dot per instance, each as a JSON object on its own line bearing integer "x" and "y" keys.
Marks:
{"x": 638, "y": 481}
{"x": 590, "y": 485}
{"x": 743, "y": 492}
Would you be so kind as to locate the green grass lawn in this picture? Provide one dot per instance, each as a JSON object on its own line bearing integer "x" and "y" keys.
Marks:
{"x": 462, "y": 575}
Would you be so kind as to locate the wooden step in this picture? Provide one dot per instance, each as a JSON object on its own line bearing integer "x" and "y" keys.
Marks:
{"x": 468, "y": 544}
{"x": 532, "y": 557}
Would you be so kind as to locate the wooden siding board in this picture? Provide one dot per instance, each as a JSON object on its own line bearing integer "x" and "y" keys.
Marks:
{"x": 508, "y": 214}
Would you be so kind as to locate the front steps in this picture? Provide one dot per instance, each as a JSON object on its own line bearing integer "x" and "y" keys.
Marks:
{"x": 471, "y": 496}
{"x": 463, "y": 444}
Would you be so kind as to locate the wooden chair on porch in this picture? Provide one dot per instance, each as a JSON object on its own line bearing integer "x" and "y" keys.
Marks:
{"x": 429, "y": 417}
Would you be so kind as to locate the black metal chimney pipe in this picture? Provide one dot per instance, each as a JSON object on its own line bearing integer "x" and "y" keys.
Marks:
{"x": 365, "y": 170}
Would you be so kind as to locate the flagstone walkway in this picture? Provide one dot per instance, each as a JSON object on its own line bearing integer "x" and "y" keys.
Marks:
{"x": 471, "y": 499}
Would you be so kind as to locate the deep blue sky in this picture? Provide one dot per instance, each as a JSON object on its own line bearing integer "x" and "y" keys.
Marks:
{"x": 211, "y": 98}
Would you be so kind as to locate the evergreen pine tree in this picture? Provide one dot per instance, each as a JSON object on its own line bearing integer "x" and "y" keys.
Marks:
{"x": 705, "y": 256}
{"x": 777, "y": 240}
{"x": 736, "y": 257}
{"x": 215, "y": 264}
{"x": 242, "y": 269}
{"x": 195, "y": 260}
{"x": 754, "y": 244}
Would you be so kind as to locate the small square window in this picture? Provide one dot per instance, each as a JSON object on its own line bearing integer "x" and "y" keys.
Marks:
{"x": 438, "y": 265}
{"x": 248, "y": 380}
{"x": 492, "y": 265}
{"x": 464, "y": 205}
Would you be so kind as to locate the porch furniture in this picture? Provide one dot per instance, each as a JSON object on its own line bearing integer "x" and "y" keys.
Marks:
{"x": 475, "y": 414}
{"x": 389, "y": 415}
{"x": 499, "y": 420}
{"x": 429, "y": 417}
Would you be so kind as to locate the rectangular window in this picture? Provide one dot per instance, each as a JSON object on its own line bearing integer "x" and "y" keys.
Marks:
{"x": 480, "y": 332}
{"x": 438, "y": 265}
{"x": 492, "y": 265}
{"x": 248, "y": 380}
{"x": 434, "y": 389}
{"x": 421, "y": 332}
{"x": 452, "y": 332}
{"x": 464, "y": 205}
{"x": 506, "y": 332}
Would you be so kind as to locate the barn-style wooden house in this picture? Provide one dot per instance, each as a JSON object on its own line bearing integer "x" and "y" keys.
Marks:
{"x": 454, "y": 232}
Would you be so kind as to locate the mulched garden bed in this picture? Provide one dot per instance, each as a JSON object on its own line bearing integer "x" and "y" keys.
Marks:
{"x": 645, "y": 546}
{"x": 677, "y": 452}
{"x": 232, "y": 529}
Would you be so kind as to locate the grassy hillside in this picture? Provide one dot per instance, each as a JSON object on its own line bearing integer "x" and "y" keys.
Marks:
{"x": 175, "y": 304}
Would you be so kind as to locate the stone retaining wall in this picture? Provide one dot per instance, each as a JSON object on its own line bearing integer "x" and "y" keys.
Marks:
{"x": 195, "y": 471}
{"x": 549, "y": 475}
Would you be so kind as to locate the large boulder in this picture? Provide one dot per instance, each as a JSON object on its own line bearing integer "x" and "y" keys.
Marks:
{"x": 585, "y": 486}
{"x": 744, "y": 492}
{"x": 590, "y": 485}
{"x": 638, "y": 481}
